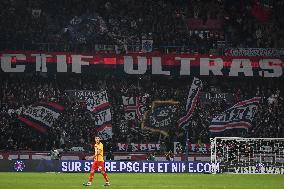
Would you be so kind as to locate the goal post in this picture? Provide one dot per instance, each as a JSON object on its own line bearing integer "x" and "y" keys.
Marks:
{"x": 248, "y": 155}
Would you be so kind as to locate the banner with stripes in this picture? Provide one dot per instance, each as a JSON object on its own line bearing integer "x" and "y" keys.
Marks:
{"x": 105, "y": 131}
{"x": 96, "y": 102}
{"x": 191, "y": 103}
{"x": 41, "y": 116}
{"x": 134, "y": 107}
{"x": 240, "y": 116}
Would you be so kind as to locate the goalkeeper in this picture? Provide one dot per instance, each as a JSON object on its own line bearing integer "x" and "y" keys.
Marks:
{"x": 98, "y": 163}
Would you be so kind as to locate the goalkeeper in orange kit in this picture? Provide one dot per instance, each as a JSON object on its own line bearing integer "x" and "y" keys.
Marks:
{"x": 98, "y": 163}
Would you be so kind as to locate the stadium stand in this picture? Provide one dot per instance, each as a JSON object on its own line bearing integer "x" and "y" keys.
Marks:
{"x": 120, "y": 26}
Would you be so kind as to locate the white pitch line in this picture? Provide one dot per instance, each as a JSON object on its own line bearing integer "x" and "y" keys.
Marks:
{"x": 181, "y": 186}
{"x": 137, "y": 186}
{"x": 128, "y": 186}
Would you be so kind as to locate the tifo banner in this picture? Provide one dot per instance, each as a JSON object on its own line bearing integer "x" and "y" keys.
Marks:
{"x": 263, "y": 52}
{"x": 191, "y": 102}
{"x": 41, "y": 116}
{"x": 143, "y": 63}
{"x": 134, "y": 107}
{"x": 98, "y": 104}
{"x": 161, "y": 117}
{"x": 240, "y": 116}
{"x": 144, "y": 147}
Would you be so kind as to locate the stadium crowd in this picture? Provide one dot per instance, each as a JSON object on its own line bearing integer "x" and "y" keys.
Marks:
{"x": 193, "y": 26}
{"x": 185, "y": 25}
{"x": 75, "y": 128}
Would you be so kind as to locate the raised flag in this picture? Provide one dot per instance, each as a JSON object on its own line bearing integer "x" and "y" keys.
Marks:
{"x": 191, "y": 103}
{"x": 41, "y": 116}
{"x": 134, "y": 107}
{"x": 240, "y": 116}
{"x": 161, "y": 118}
{"x": 97, "y": 103}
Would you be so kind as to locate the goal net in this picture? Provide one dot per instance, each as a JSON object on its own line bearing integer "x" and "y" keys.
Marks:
{"x": 248, "y": 155}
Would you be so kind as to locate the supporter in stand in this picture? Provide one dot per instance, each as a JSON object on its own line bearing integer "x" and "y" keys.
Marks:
{"x": 54, "y": 154}
{"x": 84, "y": 26}
{"x": 170, "y": 156}
{"x": 151, "y": 156}
{"x": 74, "y": 126}
{"x": 87, "y": 25}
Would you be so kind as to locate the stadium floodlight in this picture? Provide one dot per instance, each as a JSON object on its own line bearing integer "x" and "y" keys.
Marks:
{"x": 248, "y": 155}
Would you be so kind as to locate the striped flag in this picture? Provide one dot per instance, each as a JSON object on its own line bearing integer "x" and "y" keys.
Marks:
{"x": 192, "y": 99}
{"x": 96, "y": 102}
{"x": 42, "y": 116}
{"x": 134, "y": 107}
{"x": 240, "y": 116}
{"x": 105, "y": 131}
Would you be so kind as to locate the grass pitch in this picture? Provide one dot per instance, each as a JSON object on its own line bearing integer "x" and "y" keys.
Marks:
{"x": 140, "y": 181}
